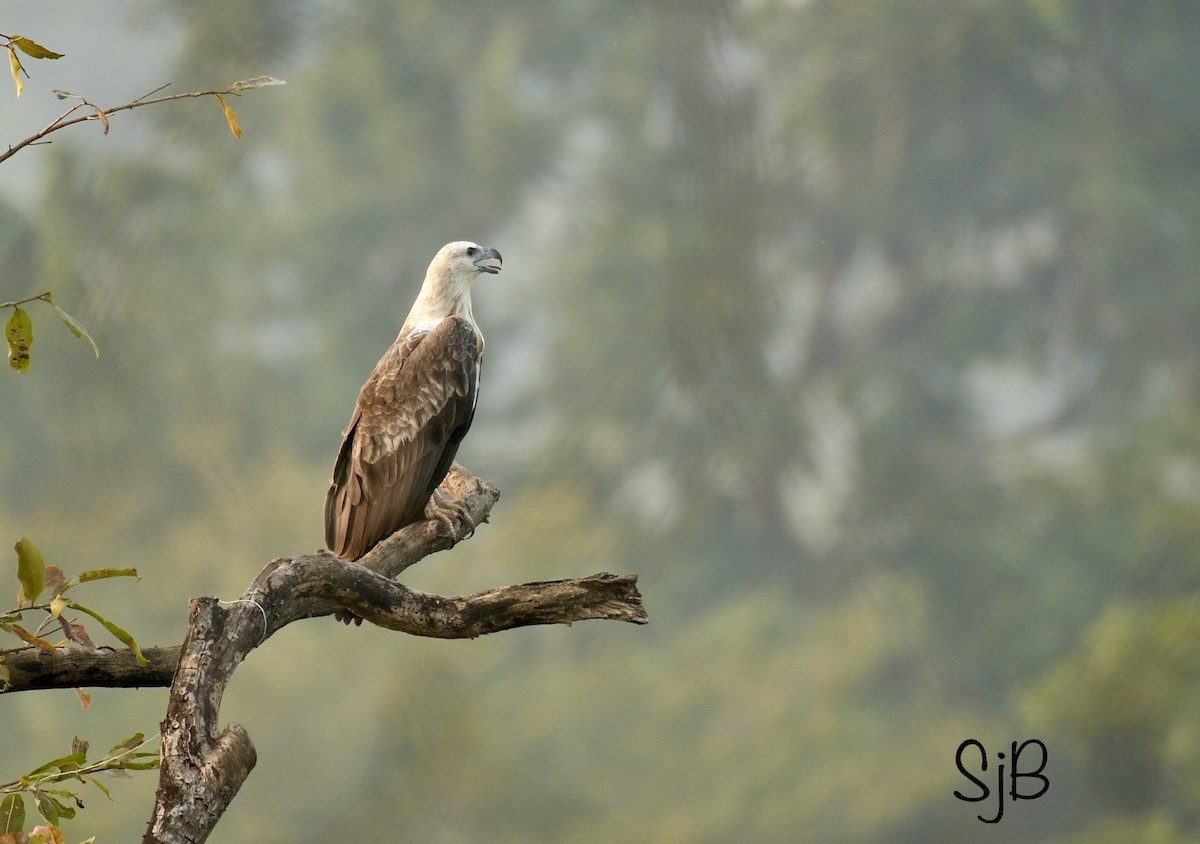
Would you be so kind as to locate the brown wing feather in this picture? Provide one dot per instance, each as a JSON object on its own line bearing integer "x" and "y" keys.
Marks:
{"x": 411, "y": 414}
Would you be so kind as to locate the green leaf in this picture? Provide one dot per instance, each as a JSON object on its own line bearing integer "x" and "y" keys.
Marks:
{"x": 116, "y": 631}
{"x": 127, "y": 744}
{"x": 19, "y": 333}
{"x": 64, "y": 95}
{"x": 32, "y": 48}
{"x": 147, "y": 765}
{"x": 64, "y": 810}
{"x": 70, "y": 762}
{"x": 256, "y": 82}
{"x": 12, "y": 814}
{"x": 46, "y": 807}
{"x": 31, "y": 570}
{"x": 70, "y": 321}
{"x": 103, "y": 788}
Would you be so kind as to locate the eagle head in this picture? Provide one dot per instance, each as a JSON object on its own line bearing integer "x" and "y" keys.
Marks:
{"x": 447, "y": 287}
{"x": 466, "y": 260}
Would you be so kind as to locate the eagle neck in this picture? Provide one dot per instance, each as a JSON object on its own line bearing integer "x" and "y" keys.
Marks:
{"x": 441, "y": 297}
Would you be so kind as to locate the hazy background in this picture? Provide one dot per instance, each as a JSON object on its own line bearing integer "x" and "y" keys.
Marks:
{"x": 868, "y": 334}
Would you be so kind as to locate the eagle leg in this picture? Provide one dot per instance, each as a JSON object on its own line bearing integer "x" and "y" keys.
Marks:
{"x": 449, "y": 512}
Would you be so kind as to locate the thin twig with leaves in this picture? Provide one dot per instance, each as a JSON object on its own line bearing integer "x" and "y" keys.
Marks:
{"x": 102, "y": 114}
{"x": 50, "y": 785}
{"x": 29, "y": 47}
{"x": 19, "y": 330}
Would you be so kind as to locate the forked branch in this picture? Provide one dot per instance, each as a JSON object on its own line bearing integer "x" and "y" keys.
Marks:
{"x": 204, "y": 766}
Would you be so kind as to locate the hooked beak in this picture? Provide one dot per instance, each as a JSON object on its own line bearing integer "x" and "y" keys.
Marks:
{"x": 489, "y": 261}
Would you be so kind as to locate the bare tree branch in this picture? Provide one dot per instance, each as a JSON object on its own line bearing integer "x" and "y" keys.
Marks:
{"x": 310, "y": 585}
{"x": 204, "y": 765}
{"x": 70, "y": 668}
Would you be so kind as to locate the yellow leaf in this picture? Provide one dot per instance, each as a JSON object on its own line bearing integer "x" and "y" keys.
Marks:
{"x": 102, "y": 117}
{"x": 230, "y": 117}
{"x": 33, "y": 49}
{"x": 19, "y": 333}
{"x": 14, "y": 67}
{"x": 58, "y": 604}
{"x": 37, "y": 641}
{"x": 101, "y": 574}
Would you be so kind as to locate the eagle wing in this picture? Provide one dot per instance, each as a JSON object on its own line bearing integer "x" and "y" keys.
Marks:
{"x": 411, "y": 415}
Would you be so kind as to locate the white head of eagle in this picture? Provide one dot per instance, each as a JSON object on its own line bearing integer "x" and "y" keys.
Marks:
{"x": 412, "y": 412}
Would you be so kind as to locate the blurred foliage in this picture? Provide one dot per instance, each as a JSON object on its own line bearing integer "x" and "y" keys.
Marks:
{"x": 865, "y": 332}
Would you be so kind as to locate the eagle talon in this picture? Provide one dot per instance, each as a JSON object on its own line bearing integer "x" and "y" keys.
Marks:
{"x": 449, "y": 512}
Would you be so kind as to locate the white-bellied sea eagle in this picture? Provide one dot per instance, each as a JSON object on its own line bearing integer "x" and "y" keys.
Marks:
{"x": 412, "y": 412}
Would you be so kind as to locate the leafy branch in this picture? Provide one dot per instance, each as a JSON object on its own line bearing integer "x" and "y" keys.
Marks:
{"x": 102, "y": 114}
{"x": 35, "y": 578}
{"x": 29, "y": 47}
{"x": 46, "y": 785}
{"x": 19, "y": 330}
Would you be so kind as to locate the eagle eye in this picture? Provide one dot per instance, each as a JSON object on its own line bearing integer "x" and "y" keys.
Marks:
{"x": 472, "y": 251}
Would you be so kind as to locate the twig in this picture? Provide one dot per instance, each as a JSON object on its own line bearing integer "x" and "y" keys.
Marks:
{"x": 41, "y": 297}
{"x": 101, "y": 114}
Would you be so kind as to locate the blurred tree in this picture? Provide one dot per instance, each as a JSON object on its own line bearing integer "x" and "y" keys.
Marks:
{"x": 927, "y": 311}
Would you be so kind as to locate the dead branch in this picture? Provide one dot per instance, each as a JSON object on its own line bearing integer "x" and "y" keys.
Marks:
{"x": 204, "y": 765}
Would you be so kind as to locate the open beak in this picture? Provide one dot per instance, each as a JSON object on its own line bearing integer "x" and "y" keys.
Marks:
{"x": 489, "y": 261}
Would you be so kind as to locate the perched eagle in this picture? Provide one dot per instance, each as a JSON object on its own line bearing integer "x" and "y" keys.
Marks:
{"x": 413, "y": 411}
